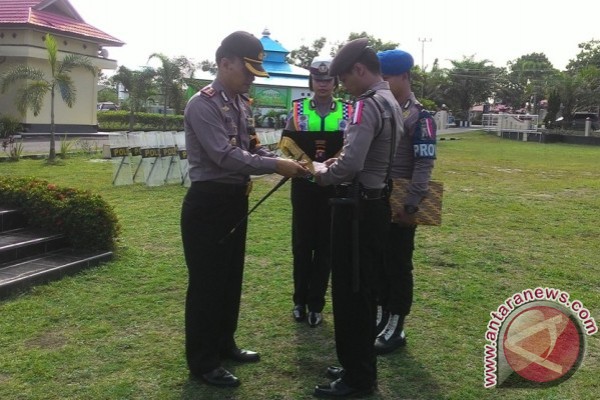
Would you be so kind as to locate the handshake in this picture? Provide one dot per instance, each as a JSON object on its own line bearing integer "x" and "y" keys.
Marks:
{"x": 302, "y": 169}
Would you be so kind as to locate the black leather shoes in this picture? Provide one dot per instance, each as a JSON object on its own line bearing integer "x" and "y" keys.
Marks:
{"x": 335, "y": 372}
{"x": 299, "y": 312}
{"x": 385, "y": 344}
{"x": 242, "y": 355}
{"x": 221, "y": 377}
{"x": 339, "y": 389}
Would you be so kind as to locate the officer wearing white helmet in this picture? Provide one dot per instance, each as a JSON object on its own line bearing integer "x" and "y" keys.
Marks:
{"x": 313, "y": 132}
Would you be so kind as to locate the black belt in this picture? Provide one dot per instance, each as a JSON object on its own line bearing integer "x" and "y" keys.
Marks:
{"x": 349, "y": 191}
{"x": 223, "y": 188}
{"x": 372, "y": 194}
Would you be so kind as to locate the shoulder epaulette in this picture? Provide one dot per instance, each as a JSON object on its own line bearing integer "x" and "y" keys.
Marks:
{"x": 208, "y": 91}
{"x": 298, "y": 100}
{"x": 368, "y": 93}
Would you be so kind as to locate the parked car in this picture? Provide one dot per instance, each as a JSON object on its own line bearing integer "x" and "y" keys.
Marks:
{"x": 579, "y": 118}
{"x": 107, "y": 106}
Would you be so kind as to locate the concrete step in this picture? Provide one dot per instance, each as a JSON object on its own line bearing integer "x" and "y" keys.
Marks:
{"x": 24, "y": 242}
{"x": 33, "y": 270}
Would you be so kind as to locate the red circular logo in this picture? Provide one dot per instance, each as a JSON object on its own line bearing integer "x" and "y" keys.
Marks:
{"x": 542, "y": 344}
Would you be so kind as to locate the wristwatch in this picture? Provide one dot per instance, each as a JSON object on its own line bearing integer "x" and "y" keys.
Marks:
{"x": 410, "y": 209}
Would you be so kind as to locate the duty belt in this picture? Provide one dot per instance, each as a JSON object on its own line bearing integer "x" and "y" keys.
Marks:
{"x": 349, "y": 191}
{"x": 223, "y": 188}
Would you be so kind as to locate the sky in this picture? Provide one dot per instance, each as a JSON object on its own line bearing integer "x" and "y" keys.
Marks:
{"x": 442, "y": 30}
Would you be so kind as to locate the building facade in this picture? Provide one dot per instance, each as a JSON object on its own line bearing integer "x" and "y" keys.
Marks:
{"x": 23, "y": 26}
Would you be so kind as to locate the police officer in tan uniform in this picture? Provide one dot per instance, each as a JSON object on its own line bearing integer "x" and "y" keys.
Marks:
{"x": 221, "y": 159}
{"x": 314, "y": 132}
{"x": 360, "y": 216}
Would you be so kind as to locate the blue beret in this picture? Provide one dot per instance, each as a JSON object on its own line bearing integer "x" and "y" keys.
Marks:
{"x": 395, "y": 62}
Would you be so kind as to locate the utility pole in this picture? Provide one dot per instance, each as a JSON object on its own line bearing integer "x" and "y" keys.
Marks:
{"x": 423, "y": 41}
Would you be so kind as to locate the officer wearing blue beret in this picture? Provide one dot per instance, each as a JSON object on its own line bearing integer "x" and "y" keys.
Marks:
{"x": 415, "y": 163}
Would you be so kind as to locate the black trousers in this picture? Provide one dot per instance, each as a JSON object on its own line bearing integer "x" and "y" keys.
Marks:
{"x": 311, "y": 216}
{"x": 354, "y": 312}
{"x": 215, "y": 273}
{"x": 396, "y": 279}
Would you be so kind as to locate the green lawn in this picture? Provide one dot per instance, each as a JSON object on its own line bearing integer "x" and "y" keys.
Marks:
{"x": 516, "y": 216}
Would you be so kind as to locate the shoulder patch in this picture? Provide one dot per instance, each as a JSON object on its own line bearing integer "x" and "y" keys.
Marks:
{"x": 424, "y": 138}
{"x": 357, "y": 112}
{"x": 208, "y": 91}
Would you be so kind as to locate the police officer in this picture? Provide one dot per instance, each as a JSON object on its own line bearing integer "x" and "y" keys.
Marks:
{"x": 221, "y": 159}
{"x": 314, "y": 132}
{"x": 359, "y": 223}
{"x": 414, "y": 163}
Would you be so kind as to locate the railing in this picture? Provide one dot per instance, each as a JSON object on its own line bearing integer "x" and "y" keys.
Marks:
{"x": 501, "y": 123}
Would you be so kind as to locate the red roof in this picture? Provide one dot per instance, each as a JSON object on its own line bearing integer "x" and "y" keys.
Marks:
{"x": 53, "y": 15}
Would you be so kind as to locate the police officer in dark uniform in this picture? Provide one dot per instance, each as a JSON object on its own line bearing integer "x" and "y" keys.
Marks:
{"x": 221, "y": 159}
{"x": 314, "y": 132}
{"x": 360, "y": 217}
{"x": 414, "y": 162}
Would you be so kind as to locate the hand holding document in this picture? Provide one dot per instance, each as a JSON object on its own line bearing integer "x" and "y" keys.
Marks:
{"x": 319, "y": 167}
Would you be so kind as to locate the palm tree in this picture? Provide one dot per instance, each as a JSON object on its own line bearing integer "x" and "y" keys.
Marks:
{"x": 31, "y": 96}
{"x": 139, "y": 86}
{"x": 170, "y": 77}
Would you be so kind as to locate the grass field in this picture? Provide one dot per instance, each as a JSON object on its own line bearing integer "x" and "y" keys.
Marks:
{"x": 516, "y": 216}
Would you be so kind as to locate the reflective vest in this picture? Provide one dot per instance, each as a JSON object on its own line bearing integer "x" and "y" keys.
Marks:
{"x": 307, "y": 118}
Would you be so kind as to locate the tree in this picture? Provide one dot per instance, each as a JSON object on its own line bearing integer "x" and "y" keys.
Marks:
{"x": 37, "y": 85}
{"x": 304, "y": 55}
{"x": 553, "y": 109}
{"x": 138, "y": 84}
{"x": 376, "y": 44}
{"x": 470, "y": 82}
{"x": 430, "y": 85}
{"x": 589, "y": 55}
{"x": 170, "y": 79}
{"x": 210, "y": 66}
{"x": 528, "y": 78}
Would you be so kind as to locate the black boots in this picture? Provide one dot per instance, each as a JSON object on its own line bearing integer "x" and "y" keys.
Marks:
{"x": 391, "y": 336}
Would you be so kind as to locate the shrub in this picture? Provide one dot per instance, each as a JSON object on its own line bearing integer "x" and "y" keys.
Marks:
{"x": 9, "y": 126}
{"x": 119, "y": 120}
{"x": 12, "y": 147}
{"x": 85, "y": 218}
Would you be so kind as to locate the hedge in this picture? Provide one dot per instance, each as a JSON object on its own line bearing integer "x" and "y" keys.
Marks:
{"x": 119, "y": 120}
{"x": 87, "y": 220}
